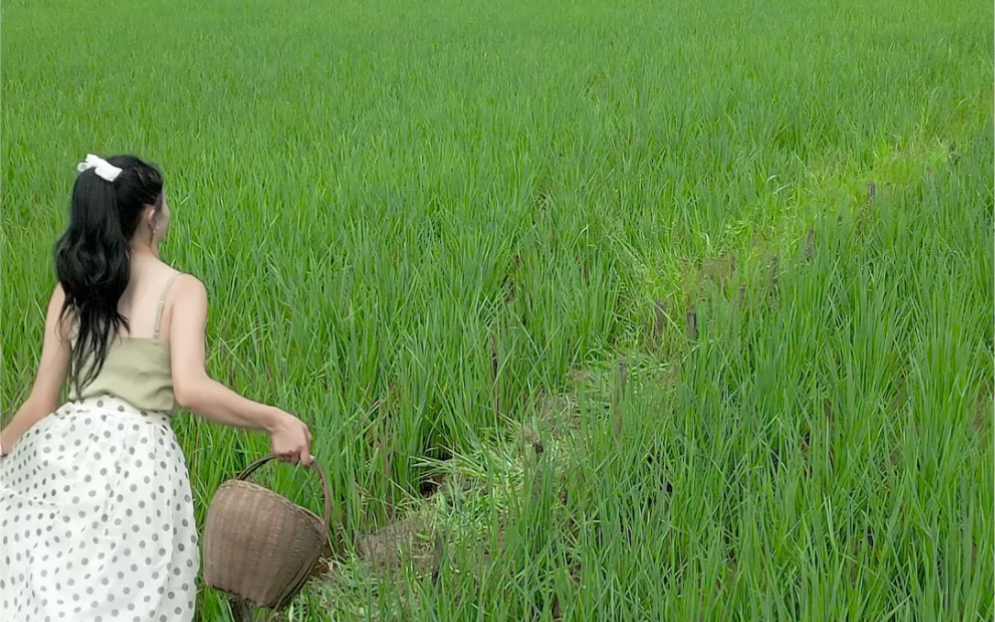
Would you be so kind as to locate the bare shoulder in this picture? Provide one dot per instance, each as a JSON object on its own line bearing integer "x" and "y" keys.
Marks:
{"x": 189, "y": 286}
{"x": 55, "y": 316}
{"x": 58, "y": 297}
{"x": 189, "y": 296}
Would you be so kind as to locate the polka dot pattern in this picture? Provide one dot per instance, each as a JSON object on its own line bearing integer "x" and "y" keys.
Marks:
{"x": 96, "y": 519}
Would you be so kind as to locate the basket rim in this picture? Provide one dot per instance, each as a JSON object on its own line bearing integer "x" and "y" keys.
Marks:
{"x": 267, "y": 492}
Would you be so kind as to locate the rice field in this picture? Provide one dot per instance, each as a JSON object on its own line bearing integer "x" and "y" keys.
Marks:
{"x": 598, "y": 310}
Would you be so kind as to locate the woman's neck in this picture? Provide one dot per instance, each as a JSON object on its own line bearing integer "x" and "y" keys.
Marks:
{"x": 151, "y": 250}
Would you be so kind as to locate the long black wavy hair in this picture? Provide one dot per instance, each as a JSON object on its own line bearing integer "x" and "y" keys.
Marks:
{"x": 93, "y": 256}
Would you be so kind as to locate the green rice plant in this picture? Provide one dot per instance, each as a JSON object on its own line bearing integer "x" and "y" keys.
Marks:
{"x": 433, "y": 230}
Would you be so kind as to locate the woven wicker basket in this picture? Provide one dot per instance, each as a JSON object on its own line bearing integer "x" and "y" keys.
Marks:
{"x": 259, "y": 546}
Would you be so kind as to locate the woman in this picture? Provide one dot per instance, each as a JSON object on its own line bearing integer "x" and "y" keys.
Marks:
{"x": 97, "y": 515}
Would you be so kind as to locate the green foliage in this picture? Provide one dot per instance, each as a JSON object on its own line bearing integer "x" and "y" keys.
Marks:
{"x": 386, "y": 200}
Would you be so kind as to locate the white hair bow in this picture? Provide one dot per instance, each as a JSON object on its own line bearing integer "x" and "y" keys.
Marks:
{"x": 100, "y": 166}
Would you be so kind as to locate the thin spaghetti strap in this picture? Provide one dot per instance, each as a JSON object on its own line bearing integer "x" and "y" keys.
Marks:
{"x": 162, "y": 304}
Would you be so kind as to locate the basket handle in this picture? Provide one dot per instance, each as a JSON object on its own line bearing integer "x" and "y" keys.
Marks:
{"x": 325, "y": 487}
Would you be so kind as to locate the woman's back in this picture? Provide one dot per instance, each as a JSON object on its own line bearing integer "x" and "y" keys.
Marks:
{"x": 137, "y": 366}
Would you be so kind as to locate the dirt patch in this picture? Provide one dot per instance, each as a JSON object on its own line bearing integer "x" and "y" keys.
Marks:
{"x": 430, "y": 485}
{"x": 387, "y": 549}
{"x": 559, "y": 415}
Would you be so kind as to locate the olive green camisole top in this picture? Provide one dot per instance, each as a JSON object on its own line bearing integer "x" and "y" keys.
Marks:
{"x": 137, "y": 369}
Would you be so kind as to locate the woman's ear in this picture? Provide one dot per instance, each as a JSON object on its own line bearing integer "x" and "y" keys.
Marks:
{"x": 151, "y": 217}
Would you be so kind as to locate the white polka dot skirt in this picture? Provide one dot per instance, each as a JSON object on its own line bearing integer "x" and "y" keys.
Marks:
{"x": 97, "y": 519}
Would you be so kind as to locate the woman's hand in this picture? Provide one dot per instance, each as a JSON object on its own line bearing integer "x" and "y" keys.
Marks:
{"x": 290, "y": 439}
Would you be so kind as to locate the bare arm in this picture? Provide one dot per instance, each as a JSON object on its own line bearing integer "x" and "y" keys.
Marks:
{"x": 53, "y": 368}
{"x": 200, "y": 394}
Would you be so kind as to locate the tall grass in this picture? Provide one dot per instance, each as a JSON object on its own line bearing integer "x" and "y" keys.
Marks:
{"x": 423, "y": 225}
